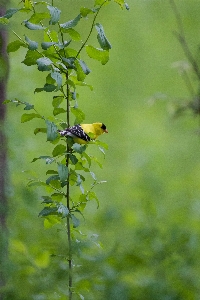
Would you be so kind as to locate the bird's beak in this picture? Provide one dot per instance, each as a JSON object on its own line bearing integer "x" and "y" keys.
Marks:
{"x": 106, "y": 131}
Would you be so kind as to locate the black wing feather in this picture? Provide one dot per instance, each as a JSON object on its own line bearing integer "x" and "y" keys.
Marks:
{"x": 77, "y": 131}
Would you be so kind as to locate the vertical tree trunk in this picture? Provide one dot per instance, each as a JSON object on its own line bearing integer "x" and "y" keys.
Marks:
{"x": 3, "y": 164}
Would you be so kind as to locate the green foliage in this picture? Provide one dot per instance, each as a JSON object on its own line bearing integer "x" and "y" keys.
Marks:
{"x": 103, "y": 41}
{"x": 98, "y": 54}
{"x": 47, "y": 48}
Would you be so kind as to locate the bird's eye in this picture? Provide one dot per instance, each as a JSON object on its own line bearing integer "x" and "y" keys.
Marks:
{"x": 103, "y": 126}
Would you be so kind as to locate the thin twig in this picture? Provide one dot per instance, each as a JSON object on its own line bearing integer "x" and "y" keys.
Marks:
{"x": 68, "y": 202}
{"x": 182, "y": 39}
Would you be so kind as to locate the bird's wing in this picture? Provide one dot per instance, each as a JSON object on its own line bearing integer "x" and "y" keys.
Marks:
{"x": 75, "y": 131}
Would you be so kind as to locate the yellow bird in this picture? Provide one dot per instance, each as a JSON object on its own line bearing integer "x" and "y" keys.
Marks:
{"x": 83, "y": 133}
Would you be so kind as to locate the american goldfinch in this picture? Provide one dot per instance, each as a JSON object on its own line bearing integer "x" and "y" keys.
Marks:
{"x": 83, "y": 133}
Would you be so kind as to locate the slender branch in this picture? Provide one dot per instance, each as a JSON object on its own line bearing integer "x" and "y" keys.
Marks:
{"x": 25, "y": 43}
{"x": 91, "y": 29}
{"x": 68, "y": 202}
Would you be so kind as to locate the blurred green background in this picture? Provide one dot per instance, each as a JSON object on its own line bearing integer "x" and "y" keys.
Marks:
{"x": 144, "y": 240}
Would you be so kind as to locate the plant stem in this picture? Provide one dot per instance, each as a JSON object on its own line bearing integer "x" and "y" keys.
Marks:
{"x": 83, "y": 45}
{"x": 68, "y": 205}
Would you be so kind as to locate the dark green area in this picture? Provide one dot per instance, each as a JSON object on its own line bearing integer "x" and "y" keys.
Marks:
{"x": 143, "y": 242}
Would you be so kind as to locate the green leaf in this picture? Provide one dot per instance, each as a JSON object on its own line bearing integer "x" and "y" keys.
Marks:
{"x": 57, "y": 100}
{"x": 16, "y": 101}
{"x": 70, "y": 53}
{"x": 80, "y": 83}
{"x": 44, "y": 64}
{"x": 62, "y": 209}
{"x": 37, "y": 130}
{"x": 86, "y": 11}
{"x": 102, "y": 39}
{"x": 73, "y": 95}
{"x": 28, "y": 106}
{"x": 72, "y": 23}
{"x": 27, "y": 4}
{"x": 102, "y": 150}
{"x": 64, "y": 44}
{"x": 87, "y": 157}
{"x": 84, "y": 67}
{"x": 57, "y": 196}
{"x": 10, "y": 12}
{"x": 63, "y": 172}
{"x": 58, "y": 110}
{"x": 98, "y": 54}
{"x": 80, "y": 166}
{"x": 69, "y": 62}
{"x": 34, "y": 182}
{"x": 48, "y": 159}
{"x": 79, "y": 114}
{"x": 14, "y": 46}
{"x": 121, "y": 3}
{"x": 52, "y": 178}
{"x": 51, "y": 172}
{"x": 38, "y": 17}
{"x": 126, "y": 6}
{"x": 47, "y": 45}
{"x": 55, "y": 14}
{"x": 48, "y": 211}
{"x": 79, "y": 183}
{"x": 93, "y": 175}
{"x": 75, "y": 35}
{"x": 80, "y": 74}
{"x": 28, "y": 117}
{"x": 96, "y": 160}
{"x": 92, "y": 195}
{"x": 73, "y": 159}
{"x": 83, "y": 199}
{"x": 50, "y": 221}
{"x": 49, "y": 79}
{"x": 102, "y": 144}
{"x": 47, "y": 199}
{"x": 57, "y": 77}
{"x": 31, "y": 58}
{"x": 50, "y": 36}
{"x": 52, "y": 131}
{"x": 32, "y": 26}
{"x": 79, "y": 148}
{"x": 75, "y": 221}
{"x": 47, "y": 88}
{"x": 4, "y": 21}
{"x": 99, "y": 2}
{"x": 80, "y": 179}
{"x": 58, "y": 150}
{"x": 32, "y": 45}
{"x": 7, "y": 101}
{"x": 72, "y": 177}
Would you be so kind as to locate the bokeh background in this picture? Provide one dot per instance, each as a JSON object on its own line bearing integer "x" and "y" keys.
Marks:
{"x": 144, "y": 240}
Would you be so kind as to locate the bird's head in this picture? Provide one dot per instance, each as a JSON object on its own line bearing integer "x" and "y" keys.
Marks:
{"x": 100, "y": 128}
{"x": 103, "y": 127}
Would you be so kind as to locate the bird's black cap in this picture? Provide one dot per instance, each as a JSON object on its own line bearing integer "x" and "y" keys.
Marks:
{"x": 103, "y": 126}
